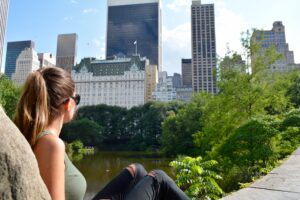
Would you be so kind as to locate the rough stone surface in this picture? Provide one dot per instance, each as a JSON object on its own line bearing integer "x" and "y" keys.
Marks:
{"x": 19, "y": 173}
{"x": 282, "y": 182}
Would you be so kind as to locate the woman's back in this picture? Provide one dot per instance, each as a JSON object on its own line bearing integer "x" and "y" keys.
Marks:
{"x": 75, "y": 183}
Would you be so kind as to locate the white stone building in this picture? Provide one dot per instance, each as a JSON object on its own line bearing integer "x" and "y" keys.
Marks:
{"x": 26, "y": 63}
{"x": 118, "y": 82}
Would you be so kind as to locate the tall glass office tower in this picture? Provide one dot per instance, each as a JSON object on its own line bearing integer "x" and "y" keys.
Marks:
{"x": 203, "y": 47}
{"x": 134, "y": 26}
{"x": 186, "y": 71}
{"x": 12, "y": 52}
{"x": 66, "y": 51}
{"x": 3, "y": 19}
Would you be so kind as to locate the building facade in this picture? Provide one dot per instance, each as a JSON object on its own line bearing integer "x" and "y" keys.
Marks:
{"x": 203, "y": 47}
{"x": 119, "y": 82}
{"x": 12, "y": 52}
{"x": 134, "y": 26}
{"x": 186, "y": 71}
{"x": 26, "y": 63}
{"x": 4, "y": 5}
{"x": 46, "y": 60}
{"x": 184, "y": 93}
{"x": 151, "y": 78}
{"x": 164, "y": 90}
{"x": 177, "y": 80}
{"x": 276, "y": 37}
{"x": 66, "y": 51}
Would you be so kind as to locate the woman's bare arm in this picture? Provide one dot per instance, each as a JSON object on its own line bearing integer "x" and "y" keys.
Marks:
{"x": 49, "y": 152}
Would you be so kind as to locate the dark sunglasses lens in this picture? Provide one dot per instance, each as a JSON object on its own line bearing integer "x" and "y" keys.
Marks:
{"x": 77, "y": 99}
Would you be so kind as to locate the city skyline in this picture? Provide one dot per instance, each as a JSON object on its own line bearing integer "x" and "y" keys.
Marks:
{"x": 88, "y": 20}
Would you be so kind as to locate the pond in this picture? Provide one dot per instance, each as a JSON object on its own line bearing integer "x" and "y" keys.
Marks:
{"x": 101, "y": 167}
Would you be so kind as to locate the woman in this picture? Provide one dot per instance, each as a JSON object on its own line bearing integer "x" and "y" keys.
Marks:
{"x": 48, "y": 101}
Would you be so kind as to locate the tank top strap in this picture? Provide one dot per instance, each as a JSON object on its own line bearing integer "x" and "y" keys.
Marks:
{"x": 43, "y": 133}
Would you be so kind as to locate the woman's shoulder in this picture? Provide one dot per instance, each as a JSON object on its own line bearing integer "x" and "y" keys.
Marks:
{"x": 51, "y": 143}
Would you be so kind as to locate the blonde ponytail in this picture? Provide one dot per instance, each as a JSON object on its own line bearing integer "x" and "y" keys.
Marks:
{"x": 33, "y": 107}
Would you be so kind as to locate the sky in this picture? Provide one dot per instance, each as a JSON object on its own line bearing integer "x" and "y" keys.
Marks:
{"x": 41, "y": 21}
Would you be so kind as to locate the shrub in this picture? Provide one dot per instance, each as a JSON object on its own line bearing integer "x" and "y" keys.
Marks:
{"x": 197, "y": 177}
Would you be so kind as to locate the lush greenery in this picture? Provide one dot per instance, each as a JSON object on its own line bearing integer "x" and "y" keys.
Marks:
{"x": 116, "y": 128}
{"x": 76, "y": 150}
{"x": 197, "y": 177}
{"x": 241, "y": 133}
{"x": 250, "y": 125}
{"x": 9, "y": 95}
{"x": 246, "y": 128}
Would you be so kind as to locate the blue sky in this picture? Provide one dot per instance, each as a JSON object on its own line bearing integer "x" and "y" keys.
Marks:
{"x": 41, "y": 21}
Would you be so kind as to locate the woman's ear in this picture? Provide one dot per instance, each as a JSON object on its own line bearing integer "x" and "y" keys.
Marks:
{"x": 67, "y": 105}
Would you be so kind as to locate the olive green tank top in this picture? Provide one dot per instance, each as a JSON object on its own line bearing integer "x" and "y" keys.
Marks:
{"x": 75, "y": 183}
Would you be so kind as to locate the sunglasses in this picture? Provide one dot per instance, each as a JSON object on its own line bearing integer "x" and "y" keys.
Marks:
{"x": 76, "y": 98}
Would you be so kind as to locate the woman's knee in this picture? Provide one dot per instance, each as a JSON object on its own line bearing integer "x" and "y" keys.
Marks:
{"x": 136, "y": 169}
{"x": 160, "y": 175}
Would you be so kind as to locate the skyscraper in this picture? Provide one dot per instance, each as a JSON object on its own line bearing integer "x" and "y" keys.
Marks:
{"x": 12, "y": 52}
{"x": 186, "y": 71}
{"x": 203, "y": 47}
{"x": 151, "y": 78}
{"x": 134, "y": 26}
{"x": 27, "y": 62}
{"x": 3, "y": 19}
{"x": 177, "y": 80}
{"x": 276, "y": 37}
{"x": 66, "y": 51}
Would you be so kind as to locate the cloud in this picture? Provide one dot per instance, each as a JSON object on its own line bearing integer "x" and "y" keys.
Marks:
{"x": 229, "y": 26}
{"x": 177, "y": 40}
{"x": 179, "y": 5}
{"x": 180, "y": 36}
{"x": 176, "y": 45}
{"x": 89, "y": 10}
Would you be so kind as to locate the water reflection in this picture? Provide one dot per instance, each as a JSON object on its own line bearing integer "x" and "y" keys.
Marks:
{"x": 101, "y": 167}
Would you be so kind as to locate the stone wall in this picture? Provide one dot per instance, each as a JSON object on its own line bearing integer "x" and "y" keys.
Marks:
{"x": 19, "y": 173}
{"x": 281, "y": 183}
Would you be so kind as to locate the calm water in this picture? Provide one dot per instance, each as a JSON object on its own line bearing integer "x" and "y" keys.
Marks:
{"x": 101, "y": 167}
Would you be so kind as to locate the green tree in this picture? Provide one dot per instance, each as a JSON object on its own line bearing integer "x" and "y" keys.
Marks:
{"x": 289, "y": 136}
{"x": 77, "y": 145}
{"x": 251, "y": 144}
{"x": 178, "y": 129}
{"x": 138, "y": 128}
{"x": 9, "y": 95}
{"x": 111, "y": 119}
{"x": 294, "y": 91}
{"x": 147, "y": 124}
{"x": 248, "y": 152}
{"x": 246, "y": 90}
{"x": 87, "y": 131}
